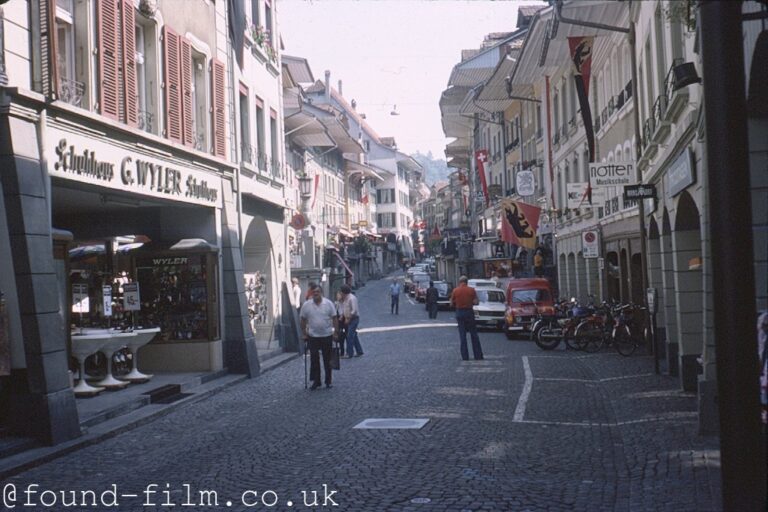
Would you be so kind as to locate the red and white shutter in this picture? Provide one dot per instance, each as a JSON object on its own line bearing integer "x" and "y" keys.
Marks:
{"x": 185, "y": 77}
{"x": 108, "y": 22}
{"x": 172, "y": 86}
{"x": 130, "y": 91}
{"x": 218, "y": 83}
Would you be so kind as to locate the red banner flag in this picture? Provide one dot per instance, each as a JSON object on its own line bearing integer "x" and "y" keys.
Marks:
{"x": 364, "y": 199}
{"x": 519, "y": 223}
{"x": 317, "y": 181}
{"x": 481, "y": 156}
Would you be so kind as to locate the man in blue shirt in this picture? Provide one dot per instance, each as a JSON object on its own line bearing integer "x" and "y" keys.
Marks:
{"x": 394, "y": 292}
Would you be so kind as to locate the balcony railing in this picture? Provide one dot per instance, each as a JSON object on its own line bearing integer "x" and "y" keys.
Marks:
{"x": 247, "y": 152}
{"x": 556, "y": 138}
{"x": 598, "y": 123}
{"x": 628, "y": 90}
{"x": 71, "y": 91}
{"x": 145, "y": 120}
{"x": 200, "y": 142}
{"x": 620, "y": 100}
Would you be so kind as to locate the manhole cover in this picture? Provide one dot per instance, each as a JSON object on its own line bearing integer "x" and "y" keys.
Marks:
{"x": 392, "y": 423}
{"x": 421, "y": 501}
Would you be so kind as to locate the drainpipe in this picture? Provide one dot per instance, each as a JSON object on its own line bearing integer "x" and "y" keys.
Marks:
{"x": 42, "y": 128}
{"x": 327, "y": 86}
{"x": 742, "y": 444}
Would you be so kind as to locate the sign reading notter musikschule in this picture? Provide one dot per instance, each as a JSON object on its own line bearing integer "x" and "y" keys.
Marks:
{"x": 612, "y": 174}
{"x": 91, "y": 161}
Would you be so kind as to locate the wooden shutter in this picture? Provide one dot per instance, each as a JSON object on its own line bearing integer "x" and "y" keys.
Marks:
{"x": 49, "y": 75}
{"x": 108, "y": 24}
{"x": 130, "y": 92}
{"x": 172, "y": 87}
{"x": 185, "y": 78}
{"x": 218, "y": 83}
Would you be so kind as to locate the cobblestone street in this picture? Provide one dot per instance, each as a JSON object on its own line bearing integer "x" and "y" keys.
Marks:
{"x": 521, "y": 430}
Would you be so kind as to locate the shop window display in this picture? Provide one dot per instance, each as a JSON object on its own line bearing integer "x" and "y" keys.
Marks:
{"x": 256, "y": 295}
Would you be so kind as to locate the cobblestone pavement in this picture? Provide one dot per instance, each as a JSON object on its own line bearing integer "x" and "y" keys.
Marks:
{"x": 522, "y": 430}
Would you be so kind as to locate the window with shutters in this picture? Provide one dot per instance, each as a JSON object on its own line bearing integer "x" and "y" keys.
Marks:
{"x": 260, "y": 135}
{"x": 245, "y": 128}
{"x": 274, "y": 138}
{"x": 71, "y": 84}
{"x": 200, "y": 101}
{"x": 147, "y": 78}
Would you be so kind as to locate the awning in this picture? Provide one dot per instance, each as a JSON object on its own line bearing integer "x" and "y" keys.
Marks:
{"x": 306, "y": 130}
{"x": 366, "y": 171}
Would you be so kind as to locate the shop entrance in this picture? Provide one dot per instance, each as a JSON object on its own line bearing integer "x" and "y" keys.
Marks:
{"x": 259, "y": 281}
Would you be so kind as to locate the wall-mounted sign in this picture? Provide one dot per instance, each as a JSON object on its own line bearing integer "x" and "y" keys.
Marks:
{"x": 590, "y": 247}
{"x": 525, "y": 183}
{"x": 577, "y": 196}
{"x": 600, "y": 264}
{"x": 612, "y": 174}
{"x": 80, "y": 301}
{"x": 681, "y": 174}
{"x": 106, "y": 293}
{"x": 634, "y": 192}
{"x": 131, "y": 298}
{"x": 298, "y": 222}
{"x": 363, "y": 223}
{"x": 97, "y": 162}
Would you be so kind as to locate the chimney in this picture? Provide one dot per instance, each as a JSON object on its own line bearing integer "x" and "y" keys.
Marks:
{"x": 340, "y": 93}
{"x": 354, "y": 104}
{"x": 327, "y": 86}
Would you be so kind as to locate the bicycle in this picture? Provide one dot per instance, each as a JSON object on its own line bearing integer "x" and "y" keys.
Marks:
{"x": 625, "y": 341}
{"x": 594, "y": 332}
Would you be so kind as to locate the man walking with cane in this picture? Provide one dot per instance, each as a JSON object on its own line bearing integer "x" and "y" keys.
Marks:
{"x": 319, "y": 324}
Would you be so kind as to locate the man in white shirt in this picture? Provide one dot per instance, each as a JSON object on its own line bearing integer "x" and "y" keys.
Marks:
{"x": 394, "y": 292}
{"x": 320, "y": 326}
{"x": 351, "y": 320}
{"x": 296, "y": 294}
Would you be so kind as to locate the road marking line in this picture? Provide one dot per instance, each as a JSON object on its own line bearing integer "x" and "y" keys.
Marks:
{"x": 677, "y": 416}
{"x": 399, "y": 327}
{"x": 523, "y": 400}
{"x": 607, "y": 379}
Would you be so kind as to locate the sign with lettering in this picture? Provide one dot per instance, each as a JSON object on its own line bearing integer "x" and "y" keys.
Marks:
{"x": 612, "y": 174}
{"x": 634, "y": 192}
{"x": 106, "y": 292}
{"x": 80, "y": 301}
{"x": 680, "y": 175}
{"x": 577, "y": 196}
{"x": 363, "y": 223}
{"x": 97, "y": 162}
{"x": 131, "y": 298}
{"x": 590, "y": 246}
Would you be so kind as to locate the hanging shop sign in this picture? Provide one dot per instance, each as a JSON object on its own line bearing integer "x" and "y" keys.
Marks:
{"x": 680, "y": 175}
{"x": 524, "y": 183}
{"x": 590, "y": 248}
{"x": 612, "y": 174}
{"x": 106, "y": 293}
{"x": 98, "y": 163}
{"x": 131, "y": 298}
{"x": 634, "y": 192}
{"x": 578, "y": 198}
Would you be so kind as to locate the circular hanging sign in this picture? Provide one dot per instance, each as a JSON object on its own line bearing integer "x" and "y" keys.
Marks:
{"x": 298, "y": 221}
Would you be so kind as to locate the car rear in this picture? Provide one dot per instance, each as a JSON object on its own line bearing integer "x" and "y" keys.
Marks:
{"x": 490, "y": 311}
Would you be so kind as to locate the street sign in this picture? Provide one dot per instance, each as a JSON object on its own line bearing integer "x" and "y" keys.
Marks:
{"x": 298, "y": 221}
{"x": 651, "y": 298}
{"x": 590, "y": 247}
{"x": 612, "y": 174}
{"x": 634, "y": 192}
{"x": 80, "y": 301}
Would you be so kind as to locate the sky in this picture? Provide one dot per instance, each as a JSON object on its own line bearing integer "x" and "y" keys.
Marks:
{"x": 393, "y": 55}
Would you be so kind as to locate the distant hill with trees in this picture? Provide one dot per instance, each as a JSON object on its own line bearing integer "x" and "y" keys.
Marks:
{"x": 434, "y": 169}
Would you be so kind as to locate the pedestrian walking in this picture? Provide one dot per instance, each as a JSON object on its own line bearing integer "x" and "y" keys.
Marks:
{"x": 342, "y": 324}
{"x": 311, "y": 286}
{"x": 320, "y": 326}
{"x": 431, "y": 299}
{"x": 538, "y": 263}
{"x": 351, "y": 314}
{"x": 296, "y": 294}
{"x": 463, "y": 298}
{"x": 394, "y": 294}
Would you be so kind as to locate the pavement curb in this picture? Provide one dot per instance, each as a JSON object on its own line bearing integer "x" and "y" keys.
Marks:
{"x": 29, "y": 459}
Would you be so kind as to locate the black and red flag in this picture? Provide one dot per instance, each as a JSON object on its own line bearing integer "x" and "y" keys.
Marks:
{"x": 581, "y": 56}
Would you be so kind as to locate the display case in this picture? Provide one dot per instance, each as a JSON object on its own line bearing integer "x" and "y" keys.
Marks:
{"x": 179, "y": 294}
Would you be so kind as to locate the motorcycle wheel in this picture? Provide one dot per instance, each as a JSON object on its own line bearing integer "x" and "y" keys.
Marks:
{"x": 548, "y": 338}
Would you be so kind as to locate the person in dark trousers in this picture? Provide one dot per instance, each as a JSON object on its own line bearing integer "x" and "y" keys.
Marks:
{"x": 463, "y": 298}
{"x": 432, "y": 296}
{"x": 342, "y": 325}
{"x": 320, "y": 326}
{"x": 351, "y": 314}
{"x": 394, "y": 293}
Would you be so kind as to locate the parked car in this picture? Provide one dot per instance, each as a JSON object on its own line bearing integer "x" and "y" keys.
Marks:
{"x": 491, "y": 309}
{"x": 417, "y": 280}
{"x": 444, "y": 290}
{"x": 525, "y": 297}
{"x": 408, "y": 281}
{"x": 476, "y": 283}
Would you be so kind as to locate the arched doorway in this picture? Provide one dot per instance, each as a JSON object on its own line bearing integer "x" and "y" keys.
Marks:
{"x": 656, "y": 281}
{"x": 581, "y": 275}
{"x": 572, "y": 275}
{"x": 689, "y": 296}
{"x": 259, "y": 284}
{"x": 668, "y": 285}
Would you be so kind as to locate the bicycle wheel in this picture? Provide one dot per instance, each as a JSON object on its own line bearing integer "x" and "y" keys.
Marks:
{"x": 625, "y": 343}
{"x": 549, "y": 337}
{"x": 571, "y": 341}
{"x": 589, "y": 336}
